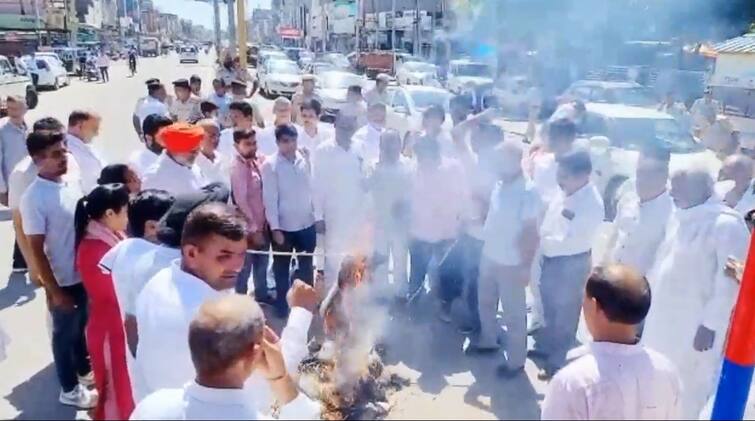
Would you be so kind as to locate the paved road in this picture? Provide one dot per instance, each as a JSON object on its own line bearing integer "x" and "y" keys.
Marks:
{"x": 446, "y": 385}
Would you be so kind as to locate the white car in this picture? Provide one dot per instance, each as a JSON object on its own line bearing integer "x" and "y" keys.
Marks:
{"x": 609, "y": 92}
{"x": 332, "y": 87}
{"x": 265, "y": 55}
{"x": 628, "y": 129}
{"x": 188, "y": 54}
{"x": 48, "y": 71}
{"x": 279, "y": 77}
{"x": 417, "y": 73}
{"x": 466, "y": 75}
{"x": 407, "y": 103}
{"x": 16, "y": 81}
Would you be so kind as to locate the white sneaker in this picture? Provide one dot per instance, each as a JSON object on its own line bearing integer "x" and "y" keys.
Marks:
{"x": 80, "y": 397}
{"x": 88, "y": 380}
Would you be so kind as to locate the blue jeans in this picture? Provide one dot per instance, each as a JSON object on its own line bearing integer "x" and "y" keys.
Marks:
{"x": 303, "y": 241}
{"x": 421, "y": 253}
{"x": 255, "y": 265}
{"x": 69, "y": 349}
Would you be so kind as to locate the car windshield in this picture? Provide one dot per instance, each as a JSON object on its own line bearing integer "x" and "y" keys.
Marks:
{"x": 424, "y": 99}
{"x": 285, "y": 67}
{"x": 188, "y": 50}
{"x": 636, "y": 96}
{"x": 339, "y": 80}
{"x": 635, "y": 133}
{"x": 473, "y": 69}
{"x": 420, "y": 67}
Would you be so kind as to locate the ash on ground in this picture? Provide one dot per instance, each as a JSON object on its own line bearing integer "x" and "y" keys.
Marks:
{"x": 348, "y": 394}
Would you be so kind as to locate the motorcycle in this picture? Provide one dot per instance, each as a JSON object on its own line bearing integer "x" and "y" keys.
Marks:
{"x": 91, "y": 72}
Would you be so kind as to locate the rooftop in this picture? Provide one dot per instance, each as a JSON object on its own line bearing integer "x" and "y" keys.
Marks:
{"x": 739, "y": 45}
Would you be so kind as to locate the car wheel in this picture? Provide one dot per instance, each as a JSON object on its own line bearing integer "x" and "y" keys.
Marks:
{"x": 32, "y": 99}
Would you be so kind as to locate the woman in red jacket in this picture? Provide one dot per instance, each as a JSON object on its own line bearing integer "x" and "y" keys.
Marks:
{"x": 101, "y": 219}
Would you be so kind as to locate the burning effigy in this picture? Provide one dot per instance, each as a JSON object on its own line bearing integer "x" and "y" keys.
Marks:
{"x": 347, "y": 373}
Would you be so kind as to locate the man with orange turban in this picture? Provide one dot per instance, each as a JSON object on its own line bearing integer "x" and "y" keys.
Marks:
{"x": 175, "y": 170}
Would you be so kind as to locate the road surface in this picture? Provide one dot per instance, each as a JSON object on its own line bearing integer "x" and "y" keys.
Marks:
{"x": 445, "y": 383}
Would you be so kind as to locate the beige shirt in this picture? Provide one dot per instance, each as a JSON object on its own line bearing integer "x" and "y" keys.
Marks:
{"x": 186, "y": 111}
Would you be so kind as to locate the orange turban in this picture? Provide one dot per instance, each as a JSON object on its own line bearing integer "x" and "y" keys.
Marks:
{"x": 181, "y": 137}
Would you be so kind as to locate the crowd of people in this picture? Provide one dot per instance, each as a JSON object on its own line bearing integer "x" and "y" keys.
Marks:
{"x": 138, "y": 259}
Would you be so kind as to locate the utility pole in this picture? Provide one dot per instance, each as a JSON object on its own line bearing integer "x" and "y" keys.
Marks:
{"x": 36, "y": 23}
{"x": 393, "y": 27}
{"x": 122, "y": 21}
{"x": 216, "y": 15}
{"x": 417, "y": 26}
{"x": 358, "y": 28}
{"x": 231, "y": 28}
{"x": 241, "y": 29}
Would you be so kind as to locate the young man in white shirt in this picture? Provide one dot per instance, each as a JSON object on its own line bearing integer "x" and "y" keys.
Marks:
{"x": 48, "y": 207}
{"x": 141, "y": 160}
{"x": 229, "y": 342}
{"x": 738, "y": 170}
{"x": 215, "y": 167}
{"x": 616, "y": 378}
{"x": 83, "y": 127}
{"x": 312, "y": 132}
{"x": 153, "y": 103}
{"x": 567, "y": 235}
{"x": 642, "y": 215}
{"x": 213, "y": 246}
{"x": 367, "y": 138}
{"x": 510, "y": 240}
{"x": 560, "y": 140}
{"x": 241, "y": 116}
{"x": 176, "y": 171}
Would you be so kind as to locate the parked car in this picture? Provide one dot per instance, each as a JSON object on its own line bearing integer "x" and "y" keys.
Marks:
{"x": 279, "y": 77}
{"x": 417, "y": 73}
{"x": 628, "y": 129}
{"x": 319, "y": 67}
{"x": 265, "y": 55}
{"x": 515, "y": 96}
{"x": 16, "y": 80}
{"x": 332, "y": 87}
{"x": 337, "y": 59}
{"x": 48, "y": 72}
{"x": 609, "y": 92}
{"x": 465, "y": 75}
{"x": 188, "y": 54}
{"x": 407, "y": 103}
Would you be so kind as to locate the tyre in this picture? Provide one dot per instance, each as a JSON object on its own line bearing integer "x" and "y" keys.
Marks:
{"x": 32, "y": 99}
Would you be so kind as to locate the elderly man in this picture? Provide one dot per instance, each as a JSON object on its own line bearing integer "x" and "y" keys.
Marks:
{"x": 567, "y": 234}
{"x": 143, "y": 158}
{"x": 215, "y": 166}
{"x": 83, "y": 127}
{"x": 185, "y": 108}
{"x": 738, "y": 170}
{"x": 282, "y": 110}
{"x": 229, "y": 342}
{"x": 338, "y": 194}
{"x": 689, "y": 320}
{"x": 307, "y": 94}
{"x": 380, "y": 92}
{"x": 367, "y": 139}
{"x": 213, "y": 246}
{"x": 511, "y": 239}
{"x": 176, "y": 170}
{"x": 642, "y": 215}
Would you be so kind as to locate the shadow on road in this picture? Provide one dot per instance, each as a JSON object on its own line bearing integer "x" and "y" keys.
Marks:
{"x": 18, "y": 291}
{"x": 36, "y": 398}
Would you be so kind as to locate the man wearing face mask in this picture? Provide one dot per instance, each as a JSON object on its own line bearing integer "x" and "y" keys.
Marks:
{"x": 738, "y": 170}
{"x": 83, "y": 127}
{"x": 367, "y": 139}
{"x": 141, "y": 160}
{"x": 175, "y": 171}
{"x": 642, "y": 215}
{"x": 213, "y": 246}
{"x": 185, "y": 107}
{"x": 693, "y": 297}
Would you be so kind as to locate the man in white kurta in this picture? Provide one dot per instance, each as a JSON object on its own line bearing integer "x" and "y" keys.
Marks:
{"x": 367, "y": 138}
{"x": 737, "y": 179}
{"x": 176, "y": 170}
{"x": 83, "y": 127}
{"x": 692, "y": 297}
{"x": 615, "y": 378}
{"x": 339, "y": 195}
{"x": 170, "y": 300}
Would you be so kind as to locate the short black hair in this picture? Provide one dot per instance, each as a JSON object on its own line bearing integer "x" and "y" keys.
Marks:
{"x": 153, "y": 123}
{"x": 213, "y": 219}
{"x": 576, "y": 162}
{"x": 93, "y": 206}
{"x": 36, "y": 143}
{"x": 658, "y": 150}
{"x": 154, "y": 87}
{"x": 312, "y": 104}
{"x": 285, "y": 130}
{"x": 562, "y": 129}
{"x": 435, "y": 111}
{"x": 219, "y": 81}
{"x": 51, "y": 124}
{"x": 207, "y": 107}
{"x": 240, "y": 134}
{"x": 622, "y": 294}
{"x": 147, "y": 205}
{"x": 113, "y": 173}
{"x": 195, "y": 78}
{"x": 79, "y": 116}
{"x": 355, "y": 89}
{"x": 242, "y": 106}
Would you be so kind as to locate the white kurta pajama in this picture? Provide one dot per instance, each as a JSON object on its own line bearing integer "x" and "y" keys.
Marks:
{"x": 690, "y": 289}
{"x": 340, "y": 201}
{"x": 167, "y": 174}
{"x": 164, "y": 311}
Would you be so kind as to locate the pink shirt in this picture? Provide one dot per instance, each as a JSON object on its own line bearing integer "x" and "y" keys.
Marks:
{"x": 246, "y": 186}
{"x": 439, "y": 202}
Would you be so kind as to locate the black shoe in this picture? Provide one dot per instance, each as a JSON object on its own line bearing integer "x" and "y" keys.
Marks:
{"x": 471, "y": 348}
{"x": 265, "y": 299}
{"x": 508, "y": 373}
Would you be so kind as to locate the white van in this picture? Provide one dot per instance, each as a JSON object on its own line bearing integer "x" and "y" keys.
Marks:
{"x": 49, "y": 71}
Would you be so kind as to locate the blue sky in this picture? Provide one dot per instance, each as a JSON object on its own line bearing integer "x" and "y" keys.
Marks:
{"x": 201, "y": 13}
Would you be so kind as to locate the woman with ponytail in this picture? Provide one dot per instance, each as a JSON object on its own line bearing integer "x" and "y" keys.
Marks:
{"x": 100, "y": 223}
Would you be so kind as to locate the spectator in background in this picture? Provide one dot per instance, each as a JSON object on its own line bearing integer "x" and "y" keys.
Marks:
{"x": 222, "y": 99}
{"x": 355, "y": 105}
{"x": 215, "y": 167}
{"x": 738, "y": 170}
{"x": 122, "y": 174}
{"x": 705, "y": 110}
{"x": 185, "y": 107}
{"x": 153, "y": 103}
{"x": 83, "y": 127}
{"x": 13, "y": 132}
{"x": 103, "y": 62}
{"x": 195, "y": 82}
{"x": 241, "y": 116}
{"x": 143, "y": 158}
{"x": 312, "y": 132}
{"x": 367, "y": 138}
{"x": 176, "y": 170}
{"x": 209, "y": 110}
{"x": 266, "y": 141}
{"x": 307, "y": 93}
{"x": 380, "y": 92}
{"x": 239, "y": 93}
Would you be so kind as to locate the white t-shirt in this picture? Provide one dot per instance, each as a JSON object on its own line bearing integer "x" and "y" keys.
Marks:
{"x": 151, "y": 105}
{"x": 25, "y": 172}
{"x": 119, "y": 262}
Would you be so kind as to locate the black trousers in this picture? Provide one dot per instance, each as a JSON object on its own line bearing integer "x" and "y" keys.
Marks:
{"x": 302, "y": 241}
{"x": 18, "y": 258}
{"x": 105, "y": 74}
{"x": 69, "y": 348}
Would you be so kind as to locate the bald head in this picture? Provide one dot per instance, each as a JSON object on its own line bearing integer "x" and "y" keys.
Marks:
{"x": 691, "y": 187}
{"x": 622, "y": 293}
{"x": 224, "y": 331}
{"x": 508, "y": 155}
{"x": 738, "y": 168}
